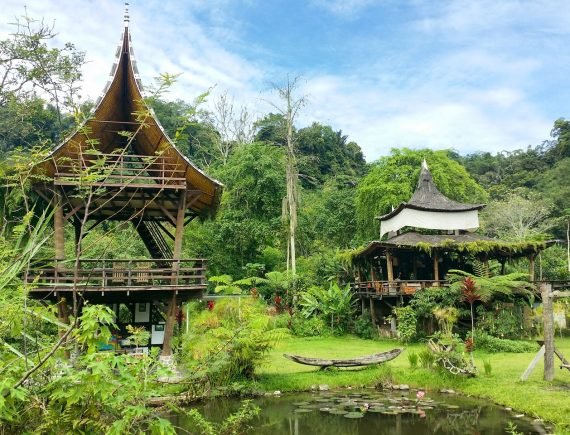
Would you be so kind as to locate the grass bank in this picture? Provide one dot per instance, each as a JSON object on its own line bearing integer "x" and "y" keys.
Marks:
{"x": 535, "y": 397}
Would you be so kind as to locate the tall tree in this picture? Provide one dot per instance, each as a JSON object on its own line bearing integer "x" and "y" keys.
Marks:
{"x": 289, "y": 108}
{"x": 29, "y": 68}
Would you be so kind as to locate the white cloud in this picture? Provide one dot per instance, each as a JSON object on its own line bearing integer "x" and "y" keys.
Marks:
{"x": 343, "y": 8}
{"x": 480, "y": 90}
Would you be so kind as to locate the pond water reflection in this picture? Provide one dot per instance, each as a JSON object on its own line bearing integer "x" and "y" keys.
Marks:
{"x": 368, "y": 412}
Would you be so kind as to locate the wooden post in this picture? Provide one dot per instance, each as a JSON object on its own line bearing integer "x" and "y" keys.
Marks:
{"x": 389, "y": 267}
{"x": 63, "y": 317}
{"x": 59, "y": 227}
{"x": 372, "y": 312}
{"x": 176, "y": 253}
{"x": 548, "y": 321}
{"x": 436, "y": 269}
{"x": 169, "y": 327}
{"x": 179, "y": 233}
{"x": 531, "y": 266}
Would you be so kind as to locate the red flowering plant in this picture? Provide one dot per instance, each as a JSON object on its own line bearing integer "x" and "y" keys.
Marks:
{"x": 470, "y": 294}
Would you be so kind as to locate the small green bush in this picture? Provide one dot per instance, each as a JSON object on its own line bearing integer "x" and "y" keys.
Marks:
{"x": 426, "y": 358}
{"x": 364, "y": 328}
{"x": 495, "y": 345}
{"x": 413, "y": 359}
{"x": 309, "y": 327}
{"x": 488, "y": 368}
{"x": 406, "y": 323}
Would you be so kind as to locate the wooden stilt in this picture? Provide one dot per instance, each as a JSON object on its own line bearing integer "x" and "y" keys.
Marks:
{"x": 548, "y": 319}
{"x": 372, "y": 312}
{"x": 59, "y": 228}
{"x": 176, "y": 253}
{"x": 63, "y": 317}
{"x": 169, "y": 327}
{"x": 531, "y": 274}
{"x": 436, "y": 269}
{"x": 390, "y": 266}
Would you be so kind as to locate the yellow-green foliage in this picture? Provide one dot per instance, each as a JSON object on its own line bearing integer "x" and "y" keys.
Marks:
{"x": 482, "y": 246}
{"x": 230, "y": 340}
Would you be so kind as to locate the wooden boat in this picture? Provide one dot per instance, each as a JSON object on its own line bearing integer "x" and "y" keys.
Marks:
{"x": 367, "y": 360}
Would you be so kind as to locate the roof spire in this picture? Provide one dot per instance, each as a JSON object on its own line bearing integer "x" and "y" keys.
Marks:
{"x": 126, "y": 16}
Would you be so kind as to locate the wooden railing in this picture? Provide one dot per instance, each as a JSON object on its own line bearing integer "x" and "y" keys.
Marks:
{"x": 119, "y": 275}
{"x": 120, "y": 170}
{"x": 394, "y": 288}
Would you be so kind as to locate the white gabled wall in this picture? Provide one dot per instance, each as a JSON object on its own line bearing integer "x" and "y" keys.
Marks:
{"x": 433, "y": 220}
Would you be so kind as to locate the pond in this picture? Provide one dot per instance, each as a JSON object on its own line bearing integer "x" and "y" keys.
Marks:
{"x": 369, "y": 411}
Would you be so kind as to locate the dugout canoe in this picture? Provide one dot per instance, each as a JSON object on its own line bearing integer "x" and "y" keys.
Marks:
{"x": 367, "y": 360}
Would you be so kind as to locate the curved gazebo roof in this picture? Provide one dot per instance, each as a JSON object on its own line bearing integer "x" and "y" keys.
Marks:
{"x": 430, "y": 209}
{"x": 122, "y": 108}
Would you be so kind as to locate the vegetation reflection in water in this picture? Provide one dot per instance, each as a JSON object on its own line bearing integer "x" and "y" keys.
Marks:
{"x": 371, "y": 412}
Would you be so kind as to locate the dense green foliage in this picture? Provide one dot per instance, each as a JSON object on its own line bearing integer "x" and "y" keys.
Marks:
{"x": 492, "y": 344}
{"x": 241, "y": 328}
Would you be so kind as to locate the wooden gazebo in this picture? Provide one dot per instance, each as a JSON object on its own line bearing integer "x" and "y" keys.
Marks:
{"x": 426, "y": 237}
{"x": 120, "y": 165}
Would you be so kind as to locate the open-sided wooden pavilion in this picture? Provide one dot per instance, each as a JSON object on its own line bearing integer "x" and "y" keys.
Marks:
{"x": 426, "y": 237}
{"x": 120, "y": 165}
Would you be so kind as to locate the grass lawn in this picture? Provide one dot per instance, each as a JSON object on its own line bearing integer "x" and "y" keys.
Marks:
{"x": 535, "y": 397}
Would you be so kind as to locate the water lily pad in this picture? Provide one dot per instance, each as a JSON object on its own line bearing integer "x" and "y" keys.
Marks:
{"x": 354, "y": 415}
{"x": 325, "y": 409}
{"x": 336, "y": 411}
{"x": 303, "y": 410}
{"x": 377, "y": 410}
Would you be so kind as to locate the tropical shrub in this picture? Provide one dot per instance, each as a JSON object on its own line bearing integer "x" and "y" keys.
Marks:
{"x": 406, "y": 323}
{"x": 309, "y": 327}
{"x": 495, "y": 345}
{"x": 335, "y": 304}
{"x": 364, "y": 328}
{"x": 502, "y": 322}
{"x": 102, "y": 392}
{"x": 229, "y": 341}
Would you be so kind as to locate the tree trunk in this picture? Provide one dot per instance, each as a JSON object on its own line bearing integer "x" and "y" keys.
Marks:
{"x": 568, "y": 243}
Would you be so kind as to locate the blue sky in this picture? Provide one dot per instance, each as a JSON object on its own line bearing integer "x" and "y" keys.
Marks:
{"x": 468, "y": 75}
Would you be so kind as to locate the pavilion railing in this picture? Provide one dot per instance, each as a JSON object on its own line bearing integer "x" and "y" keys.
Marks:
{"x": 395, "y": 288}
{"x": 120, "y": 170}
{"x": 112, "y": 274}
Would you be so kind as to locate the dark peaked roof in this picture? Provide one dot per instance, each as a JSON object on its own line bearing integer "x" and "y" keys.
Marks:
{"x": 428, "y": 197}
{"x": 116, "y": 110}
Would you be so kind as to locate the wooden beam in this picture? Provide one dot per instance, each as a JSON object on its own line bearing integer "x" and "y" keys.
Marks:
{"x": 533, "y": 364}
{"x": 163, "y": 228}
{"x": 73, "y": 211}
